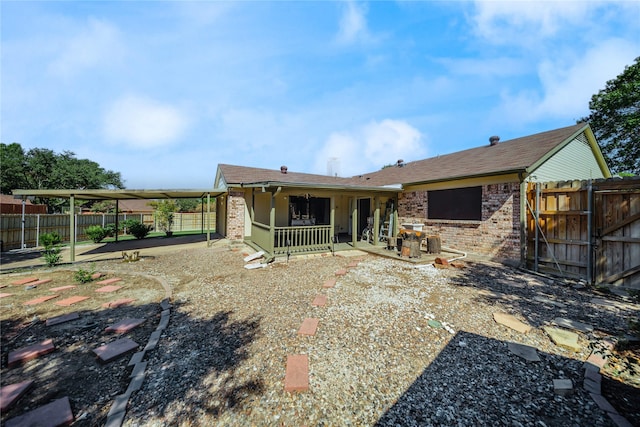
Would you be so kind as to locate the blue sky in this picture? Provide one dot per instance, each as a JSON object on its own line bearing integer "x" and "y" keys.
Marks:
{"x": 164, "y": 91}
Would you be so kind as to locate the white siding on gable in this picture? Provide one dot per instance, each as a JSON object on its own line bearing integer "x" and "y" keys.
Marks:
{"x": 575, "y": 161}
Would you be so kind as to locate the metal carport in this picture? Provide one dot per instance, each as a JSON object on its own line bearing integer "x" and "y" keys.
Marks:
{"x": 117, "y": 195}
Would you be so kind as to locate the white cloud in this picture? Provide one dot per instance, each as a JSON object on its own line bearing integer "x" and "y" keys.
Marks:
{"x": 526, "y": 21}
{"x": 568, "y": 84}
{"x": 143, "y": 123}
{"x": 370, "y": 147}
{"x": 490, "y": 67}
{"x": 97, "y": 44}
{"x": 353, "y": 24}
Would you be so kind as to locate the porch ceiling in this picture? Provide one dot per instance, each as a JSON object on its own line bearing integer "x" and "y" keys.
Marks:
{"x": 274, "y": 185}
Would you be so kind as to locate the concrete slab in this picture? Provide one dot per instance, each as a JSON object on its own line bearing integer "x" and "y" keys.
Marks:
{"x": 109, "y": 288}
{"x": 308, "y": 327}
{"x": 118, "y": 303}
{"x": 115, "y": 349}
{"x": 296, "y": 376}
{"x": 109, "y": 281}
{"x": 319, "y": 301}
{"x": 62, "y": 288}
{"x": 125, "y": 325}
{"x": 40, "y": 300}
{"x": 62, "y": 319}
{"x": 56, "y": 413}
{"x": 24, "y": 281}
{"x": 603, "y": 403}
{"x": 70, "y": 301}
{"x": 9, "y": 394}
{"x": 563, "y": 338}
{"x": 572, "y": 324}
{"x": 528, "y": 353}
{"x": 30, "y": 352}
{"x": 511, "y": 322}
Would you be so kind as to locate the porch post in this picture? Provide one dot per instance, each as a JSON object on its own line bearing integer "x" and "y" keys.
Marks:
{"x": 354, "y": 222}
{"x": 332, "y": 217}
{"x": 208, "y": 219}
{"x": 376, "y": 220}
{"x": 272, "y": 224}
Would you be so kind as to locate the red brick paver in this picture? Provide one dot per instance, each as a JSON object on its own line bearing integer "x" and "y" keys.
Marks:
{"x": 109, "y": 288}
{"x": 108, "y": 281}
{"x": 297, "y": 373}
{"x": 329, "y": 283}
{"x": 341, "y": 272}
{"x": 3, "y": 295}
{"x": 61, "y": 319}
{"x": 352, "y": 264}
{"x": 40, "y": 300}
{"x": 12, "y": 392}
{"x": 62, "y": 288}
{"x": 125, "y": 325}
{"x": 70, "y": 301}
{"x": 56, "y": 413}
{"x": 96, "y": 276}
{"x": 319, "y": 301}
{"x": 111, "y": 351}
{"x": 24, "y": 281}
{"x": 30, "y": 352}
{"x": 309, "y": 327}
{"x": 118, "y": 303}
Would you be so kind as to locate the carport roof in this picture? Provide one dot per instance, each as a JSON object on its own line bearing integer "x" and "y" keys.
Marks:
{"x": 122, "y": 194}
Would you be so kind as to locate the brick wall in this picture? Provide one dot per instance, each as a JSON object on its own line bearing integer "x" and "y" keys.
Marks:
{"x": 497, "y": 235}
{"x": 235, "y": 215}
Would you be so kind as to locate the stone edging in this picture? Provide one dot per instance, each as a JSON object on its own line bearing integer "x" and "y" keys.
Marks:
{"x": 592, "y": 384}
{"x": 118, "y": 410}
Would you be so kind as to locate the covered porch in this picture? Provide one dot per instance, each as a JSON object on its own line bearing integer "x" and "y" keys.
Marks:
{"x": 293, "y": 220}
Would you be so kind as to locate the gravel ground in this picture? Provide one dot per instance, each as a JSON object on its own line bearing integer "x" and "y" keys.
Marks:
{"x": 374, "y": 359}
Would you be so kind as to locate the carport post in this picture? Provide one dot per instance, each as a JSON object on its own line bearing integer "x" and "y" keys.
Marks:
{"x": 208, "y": 219}
{"x": 72, "y": 228}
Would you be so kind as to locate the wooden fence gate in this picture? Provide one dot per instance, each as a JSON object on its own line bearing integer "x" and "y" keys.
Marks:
{"x": 586, "y": 230}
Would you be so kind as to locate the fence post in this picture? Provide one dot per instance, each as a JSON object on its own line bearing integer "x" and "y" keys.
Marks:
{"x": 24, "y": 202}
{"x": 37, "y": 230}
{"x": 537, "y": 236}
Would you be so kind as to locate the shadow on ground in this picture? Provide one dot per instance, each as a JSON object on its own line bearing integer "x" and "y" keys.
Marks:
{"x": 199, "y": 350}
{"x": 475, "y": 380}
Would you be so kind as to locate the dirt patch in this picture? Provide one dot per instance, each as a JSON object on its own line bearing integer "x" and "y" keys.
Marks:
{"x": 72, "y": 369}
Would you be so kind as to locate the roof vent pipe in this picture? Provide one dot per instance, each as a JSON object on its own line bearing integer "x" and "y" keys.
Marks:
{"x": 400, "y": 163}
{"x": 494, "y": 140}
{"x": 283, "y": 169}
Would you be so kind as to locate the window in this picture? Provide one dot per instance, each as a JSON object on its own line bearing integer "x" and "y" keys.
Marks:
{"x": 458, "y": 203}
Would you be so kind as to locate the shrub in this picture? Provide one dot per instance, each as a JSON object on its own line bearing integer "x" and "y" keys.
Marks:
{"x": 111, "y": 230}
{"x": 51, "y": 242}
{"x": 97, "y": 233}
{"x": 139, "y": 230}
{"x": 84, "y": 276}
{"x": 126, "y": 225}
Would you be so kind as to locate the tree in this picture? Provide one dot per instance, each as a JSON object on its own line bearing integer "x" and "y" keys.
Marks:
{"x": 12, "y": 167}
{"x": 164, "y": 212}
{"x": 188, "y": 205}
{"x": 615, "y": 120}
{"x": 43, "y": 169}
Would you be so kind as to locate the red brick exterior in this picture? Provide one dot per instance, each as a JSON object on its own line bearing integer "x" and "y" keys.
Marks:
{"x": 497, "y": 235}
{"x": 235, "y": 215}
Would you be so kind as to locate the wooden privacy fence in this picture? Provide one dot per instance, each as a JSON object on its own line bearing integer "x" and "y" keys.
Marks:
{"x": 11, "y": 231}
{"x": 586, "y": 230}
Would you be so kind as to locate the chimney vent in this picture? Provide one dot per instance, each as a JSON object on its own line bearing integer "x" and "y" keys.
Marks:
{"x": 494, "y": 140}
{"x": 400, "y": 163}
{"x": 283, "y": 169}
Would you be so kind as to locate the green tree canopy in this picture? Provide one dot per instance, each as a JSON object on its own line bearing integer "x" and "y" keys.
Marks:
{"x": 615, "y": 120}
{"x": 43, "y": 169}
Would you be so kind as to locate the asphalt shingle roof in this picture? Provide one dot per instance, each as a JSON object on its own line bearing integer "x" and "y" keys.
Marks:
{"x": 515, "y": 155}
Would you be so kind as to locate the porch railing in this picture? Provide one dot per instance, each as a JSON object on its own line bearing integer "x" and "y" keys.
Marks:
{"x": 302, "y": 239}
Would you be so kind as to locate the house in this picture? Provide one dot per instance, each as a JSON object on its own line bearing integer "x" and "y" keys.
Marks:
{"x": 473, "y": 199}
{"x": 11, "y": 205}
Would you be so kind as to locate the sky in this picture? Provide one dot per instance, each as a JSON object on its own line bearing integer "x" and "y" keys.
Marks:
{"x": 163, "y": 92}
